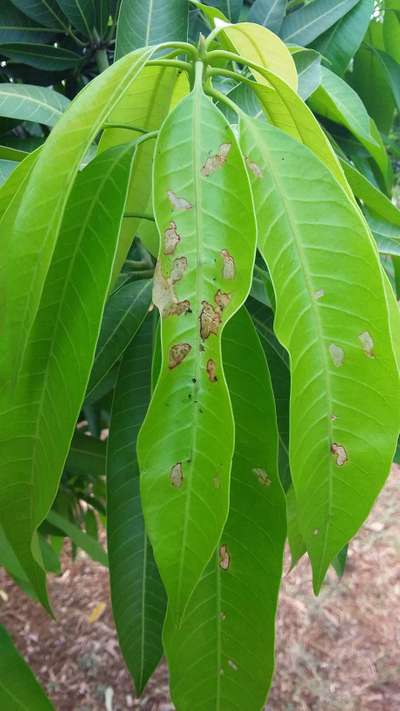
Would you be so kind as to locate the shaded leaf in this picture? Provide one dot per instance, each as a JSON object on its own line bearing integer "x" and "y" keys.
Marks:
{"x": 81, "y": 539}
{"x": 19, "y": 689}
{"x": 308, "y": 65}
{"x": 17, "y": 27}
{"x": 80, "y": 13}
{"x": 45, "y": 12}
{"x": 341, "y": 42}
{"x": 269, "y": 13}
{"x": 308, "y": 22}
{"x": 146, "y": 22}
{"x": 87, "y": 455}
{"x": 41, "y": 56}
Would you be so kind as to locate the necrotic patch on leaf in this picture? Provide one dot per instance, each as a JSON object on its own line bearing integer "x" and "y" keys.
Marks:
{"x": 211, "y": 371}
{"x": 210, "y": 320}
{"x": 337, "y": 354}
{"x": 177, "y": 354}
{"x": 222, "y": 299}
{"x": 318, "y": 294}
{"x": 224, "y": 558}
{"x": 216, "y": 161}
{"x": 178, "y": 203}
{"x": 367, "y": 344}
{"x": 178, "y": 308}
{"x": 176, "y": 475}
{"x": 262, "y": 476}
{"x": 178, "y": 269}
{"x": 255, "y": 169}
{"x": 340, "y": 453}
{"x": 228, "y": 268}
{"x": 233, "y": 665}
{"x": 171, "y": 238}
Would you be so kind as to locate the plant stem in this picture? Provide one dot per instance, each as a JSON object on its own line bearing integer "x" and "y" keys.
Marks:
{"x": 102, "y": 60}
{"x": 139, "y": 216}
{"x": 125, "y": 126}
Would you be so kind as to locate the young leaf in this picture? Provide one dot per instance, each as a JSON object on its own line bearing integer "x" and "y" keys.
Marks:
{"x": 222, "y": 655}
{"x": 38, "y": 414}
{"x": 308, "y": 22}
{"x": 269, "y": 13}
{"x": 19, "y": 689}
{"x": 341, "y": 42}
{"x": 31, "y": 103}
{"x": 204, "y": 214}
{"x": 137, "y": 594}
{"x": 145, "y": 22}
{"x": 332, "y": 318}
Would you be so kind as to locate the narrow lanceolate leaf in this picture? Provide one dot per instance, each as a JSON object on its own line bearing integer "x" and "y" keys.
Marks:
{"x": 340, "y": 43}
{"x": 124, "y": 313}
{"x": 29, "y": 238}
{"x": 81, "y": 14}
{"x": 308, "y": 22}
{"x": 332, "y": 318}
{"x": 386, "y": 234}
{"x": 373, "y": 198}
{"x": 308, "y": 65}
{"x": 225, "y": 645}
{"x": 31, "y": 103}
{"x": 81, "y": 539}
{"x": 19, "y": 689}
{"x": 86, "y": 456}
{"x": 12, "y": 189}
{"x": 39, "y": 412}
{"x": 15, "y": 26}
{"x": 137, "y": 594}
{"x": 269, "y": 13}
{"x": 145, "y": 22}
{"x": 204, "y": 214}
{"x": 44, "y": 12}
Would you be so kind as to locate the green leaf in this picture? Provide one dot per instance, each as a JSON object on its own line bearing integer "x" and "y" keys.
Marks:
{"x": 269, "y": 13}
{"x": 391, "y": 34}
{"x": 332, "y": 318}
{"x": 39, "y": 411}
{"x": 137, "y": 594}
{"x": 295, "y": 539}
{"x": 123, "y": 316}
{"x": 44, "y": 12}
{"x": 6, "y": 168}
{"x": 17, "y": 27}
{"x": 81, "y": 539}
{"x": 341, "y": 42}
{"x": 80, "y": 13}
{"x": 339, "y": 563}
{"x": 14, "y": 154}
{"x": 87, "y": 455}
{"x": 222, "y": 655}
{"x": 203, "y": 206}
{"x": 392, "y": 70}
{"x": 308, "y": 22}
{"x": 308, "y": 65}
{"x": 11, "y": 191}
{"x": 41, "y": 56}
{"x": 337, "y": 101}
{"x": 103, "y": 12}
{"x": 370, "y": 195}
{"x": 386, "y": 234}
{"x": 145, "y": 22}
{"x": 230, "y": 8}
{"x": 31, "y": 103}
{"x": 210, "y": 13}
{"x": 19, "y": 689}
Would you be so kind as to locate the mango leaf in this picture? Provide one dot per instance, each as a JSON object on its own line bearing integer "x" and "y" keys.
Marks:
{"x": 6, "y": 168}
{"x": 339, "y": 563}
{"x": 145, "y": 22}
{"x": 137, "y": 594}
{"x": 12, "y": 189}
{"x": 308, "y": 66}
{"x": 392, "y": 70}
{"x": 44, "y": 12}
{"x": 41, "y": 56}
{"x": 341, "y": 42}
{"x": 308, "y": 22}
{"x": 15, "y": 26}
{"x": 39, "y": 412}
{"x": 391, "y": 34}
{"x": 386, "y": 234}
{"x": 81, "y": 539}
{"x": 123, "y": 316}
{"x": 296, "y": 542}
{"x": 32, "y": 103}
{"x": 210, "y": 12}
{"x": 80, "y": 13}
{"x": 87, "y": 455}
{"x": 337, "y": 101}
{"x": 229, "y": 8}
{"x": 19, "y": 689}
{"x": 370, "y": 195}
{"x": 185, "y": 446}
{"x": 8, "y": 153}
{"x": 269, "y": 13}
{"x": 332, "y": 318}
{"x": 226, "y": 640}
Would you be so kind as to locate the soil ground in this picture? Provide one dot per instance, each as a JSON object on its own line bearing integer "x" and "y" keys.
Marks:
{"x": 336, "y": 652}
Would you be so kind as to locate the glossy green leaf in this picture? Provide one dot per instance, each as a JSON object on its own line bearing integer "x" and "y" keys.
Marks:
{"x": 230, "y": 8}
{"x": 123, "y": 316}
{"x": 386, "y": 234}
{"x": 17, "y": 27}
{"x": 41, "y": 56}
{"x": 32, "y": 103}
{"x": 12, "y": 189}
{"x": 269, "y": 13}
{"x": 295, "y": 539}
{"x": 8, "y": 153}
{"x": 370, "y": 195}
{"x": 222, "y": 655}
{"x": 341, "y": 42}
{"x": 39, "y": 411}
{"x": 304, "y": 25}
{"x": 339, "y": 563}
{"x": 391, "y": 34}
{"x": 6, "y": 168}
{"x": 137, "y": 594}
{"x": 308, "y": 65}
{"x": 19, "y": 689}
{"x": 81, "y": 539}
{"x": 210, "y": 12}
{"x": 392, "y": 70}
{"x": 145, "y": 22}
{"x": 87, "y": 455}
{"x": 203, "y": 206}
{"x": 103, "y": 12}
{"x": 80, "y": 13}
{"x": 45, "y": 12}
{"x": 332, "y": 318}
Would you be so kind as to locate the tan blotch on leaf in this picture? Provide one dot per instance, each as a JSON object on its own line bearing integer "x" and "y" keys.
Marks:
{"x": 177, "y": 354}
{"x": 224, "y": 558}
{"x": 340, "y": 454}
{"x": 178, "y": 308}
{"x": 318, "y": 294}
{"x": 337, "y": 355}
{"x": 171, "y": 238}
{"x": 228, "y": 269}
{"x": 210, "y": 320}
{"x": 178, "y": 269}
{"x": 176, "y": 475}
{"x": 262, "y": 476}
{"x": 211, "y": 371}
{"x": 178, "y": 203}
{"x": 222, "y": 299}
{"x": 217, "y": 161}
{"x": 367, "y": 344}
{"x": 255, "y": 169}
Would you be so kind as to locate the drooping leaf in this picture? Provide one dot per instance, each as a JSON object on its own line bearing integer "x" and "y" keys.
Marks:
{"x": 332, "y": 318}
{"x": 39, "y": 411}
{"x": 19, "y": 689}
{"x": 124, "y": 313}
{"x": 45, "y": 12}
{"x": 81, "y": 539}
{"x": 186, "y": 442}
{"x": 391, "y": 34}
{"x": 41, "y": 56}
{"x": 386, "y": 234}
{"x": 308, "y": 22}
{"x": 370, "y": 195}
{"x": 145, "y": 22}
{"x": 269, "y": 13}
{"x": 308, "y": 66}
{"x": 87, "y": 455}
{"x": 32, "y": 103}
{"x": 80, "y": 13}
{"x": 339, "y": 562}
{"x": 295, "y": 539}
{"x": 137, "y": 594}
{"x": 340, "y": 43}
{"x": 392, "y": 70}
{"x": 15, "y": 26}
{"x": 225, "y": 644}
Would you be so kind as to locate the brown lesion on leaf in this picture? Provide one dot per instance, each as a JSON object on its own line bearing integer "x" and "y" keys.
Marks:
{"x": 178, "y": 308}
{"x": 255, "y": 169}
{"x": 216, "y": 161}
{"x": 177, "y": 354}
{"x": 228, "y": 267}
{"x": 178, "y": 203}
{"x": 211, "y": 370}
{"x": 164, "y": 296}
{"x": 340, "y": 454}
{"x": 171, "y": 238}
{"x": 262, "y": 476}
{"x": 176, "y": 475}
{"x": 367, "y": 344}
{"x": 224, "y": 558}
{"x": 210, "y": 320}
{"x": 222, "y": 299}
{"x": 178, "y": 269}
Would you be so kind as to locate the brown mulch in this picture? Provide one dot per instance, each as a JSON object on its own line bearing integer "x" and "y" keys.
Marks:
{"x": 336, "y": 652}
